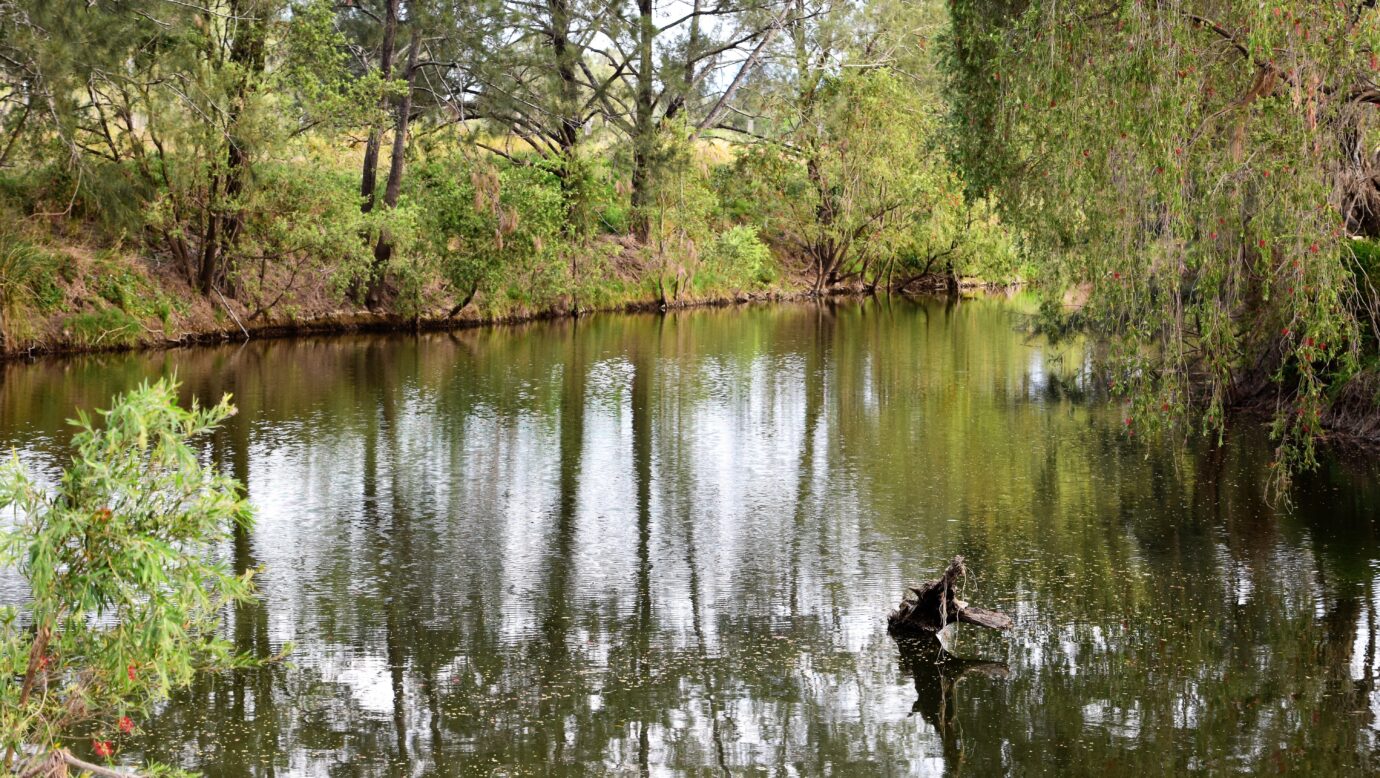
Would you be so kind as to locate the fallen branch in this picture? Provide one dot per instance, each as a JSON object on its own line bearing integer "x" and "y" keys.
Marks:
{"x": 59, "y": 759}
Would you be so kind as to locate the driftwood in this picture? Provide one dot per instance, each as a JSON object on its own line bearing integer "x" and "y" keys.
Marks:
{"x": 935, "y": 605}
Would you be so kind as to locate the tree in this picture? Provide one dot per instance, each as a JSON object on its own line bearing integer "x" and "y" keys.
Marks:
{"x": 165, "y": 110}
{"x": 125, "y": 602}
{"x": 1195, "y": 171}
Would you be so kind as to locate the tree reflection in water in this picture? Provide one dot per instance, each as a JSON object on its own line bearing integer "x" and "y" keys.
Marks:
{"x": 667, "y": 545}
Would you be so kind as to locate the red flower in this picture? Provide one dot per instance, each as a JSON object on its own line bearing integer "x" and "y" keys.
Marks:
{"x": 126, "y": 726}
{"x": 1285, "y": 332}
{"x": 1262, "y": 243}
{"x": 131, "y": 672}
{"x": 102, "y": 747}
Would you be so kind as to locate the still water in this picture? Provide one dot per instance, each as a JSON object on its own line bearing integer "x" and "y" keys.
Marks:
{"x": 667, "y": 545}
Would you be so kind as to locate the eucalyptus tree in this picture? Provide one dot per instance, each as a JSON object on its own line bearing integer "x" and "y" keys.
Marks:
{"x": 1195, "y": 171}
{"x": 672, "y": 55}
{"x": 543, "y": 70}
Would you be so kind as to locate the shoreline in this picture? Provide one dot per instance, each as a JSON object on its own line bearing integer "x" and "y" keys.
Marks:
{"x": 355, "y": 321}
{"x": 348, "y": 322}
{"x": 1358, "y": 436}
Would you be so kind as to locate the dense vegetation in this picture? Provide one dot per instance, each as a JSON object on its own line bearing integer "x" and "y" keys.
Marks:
{"x": 1203, "y": 176}
{"x": 272, "y": 159}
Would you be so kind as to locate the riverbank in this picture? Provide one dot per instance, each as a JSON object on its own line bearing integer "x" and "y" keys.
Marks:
{"x": 82, "y": 300}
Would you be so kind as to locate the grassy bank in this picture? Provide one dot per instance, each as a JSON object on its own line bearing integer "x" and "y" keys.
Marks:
{"x": 64, "y": 297}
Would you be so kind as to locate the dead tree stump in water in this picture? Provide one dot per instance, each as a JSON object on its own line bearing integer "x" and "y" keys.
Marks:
{"x": 935, "y": 605}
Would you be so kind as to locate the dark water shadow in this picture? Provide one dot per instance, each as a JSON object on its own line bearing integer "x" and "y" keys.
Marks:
{"x": 936, "y": 674}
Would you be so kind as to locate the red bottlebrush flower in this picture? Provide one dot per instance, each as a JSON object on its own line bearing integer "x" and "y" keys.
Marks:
{"x": 102, "y": 747}
{"x": 1212, "y": 236}
{"x": 126, "y": 725}
{"x": 1313, "y": 248}
{"x": 131, "y": 672}
{"x": 1262, "y": 243}
{"x": 1285, "y": 332}
{"x": 1128, "y": 421}
{"x": 1165, "y": 407}
{"x": 1116, "y": 275}
{"x": 1265, "y": 173}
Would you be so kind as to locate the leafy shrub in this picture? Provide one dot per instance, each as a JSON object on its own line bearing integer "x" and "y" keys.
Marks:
{"x": 124, "y": 606}
{"x": 741, "y": 257}
{"x": 495, "y": 228}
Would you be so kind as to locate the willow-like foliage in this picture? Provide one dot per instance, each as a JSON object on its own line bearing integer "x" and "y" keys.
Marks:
{"x": 1190, "y": 175}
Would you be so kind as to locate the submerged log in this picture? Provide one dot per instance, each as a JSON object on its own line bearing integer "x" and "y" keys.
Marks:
{"x": 935, "y": 605}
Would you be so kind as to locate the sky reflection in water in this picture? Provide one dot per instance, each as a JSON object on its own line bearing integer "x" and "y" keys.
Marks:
{"x": 667, "y": 545}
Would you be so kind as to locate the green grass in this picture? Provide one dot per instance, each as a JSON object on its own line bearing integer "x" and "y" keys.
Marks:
{"x": 104, "y": 328}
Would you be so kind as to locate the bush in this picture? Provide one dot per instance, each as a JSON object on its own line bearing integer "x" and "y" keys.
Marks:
{"x": 495, "y": 228}
{"x": 741, "y": 258}
{"x": 124, "y": 606}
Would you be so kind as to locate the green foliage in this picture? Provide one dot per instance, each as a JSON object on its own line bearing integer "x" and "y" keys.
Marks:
{"x": 1195, "y": 179}
{"x": 676, "y": 214}
{"x": 302, "y": 222}
{"x": 124, "y": 603}
{"x": 494, "y": 226}
{"x": 741, "y": 258}
{"x": 860, "y": 189}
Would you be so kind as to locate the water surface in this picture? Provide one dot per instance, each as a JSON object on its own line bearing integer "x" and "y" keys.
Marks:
{"x": 666, "y": 545}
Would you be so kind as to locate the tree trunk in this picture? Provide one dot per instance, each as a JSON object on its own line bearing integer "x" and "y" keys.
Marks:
{"x": 247, "y": 52}
{"x": 383, "y": 250}
{"x": 644, "y": 130}
{"x": 223, "y": 218}
{"x": 369, "y": 176}
{"x": 567, "y": 59}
